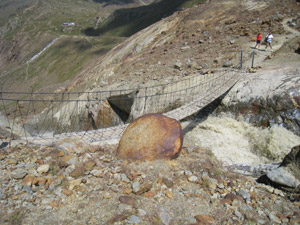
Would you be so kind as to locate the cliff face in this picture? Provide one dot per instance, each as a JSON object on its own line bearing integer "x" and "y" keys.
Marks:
{"x": 267, "y": 98}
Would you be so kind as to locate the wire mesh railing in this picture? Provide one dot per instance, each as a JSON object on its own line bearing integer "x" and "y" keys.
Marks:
{"x": 101, "y": 115}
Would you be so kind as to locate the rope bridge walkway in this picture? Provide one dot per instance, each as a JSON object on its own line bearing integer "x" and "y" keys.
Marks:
{"x": 101, "y": 115}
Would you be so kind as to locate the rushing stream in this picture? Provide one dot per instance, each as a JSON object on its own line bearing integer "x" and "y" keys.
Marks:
{"x": 238, "y": 142}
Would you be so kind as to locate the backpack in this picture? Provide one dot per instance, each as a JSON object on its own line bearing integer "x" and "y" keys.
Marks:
{"x": 266, "y": 38}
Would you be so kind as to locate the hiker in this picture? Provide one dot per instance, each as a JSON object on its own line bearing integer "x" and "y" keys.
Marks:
{"x": 258, "y": 40}
{"x": 269, "y": 39}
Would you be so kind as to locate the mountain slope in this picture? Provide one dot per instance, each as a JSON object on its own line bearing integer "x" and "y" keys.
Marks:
{"x": 125, "y": 22}
{"x": 28, "y": 26}
{"x": 199, "y": 39}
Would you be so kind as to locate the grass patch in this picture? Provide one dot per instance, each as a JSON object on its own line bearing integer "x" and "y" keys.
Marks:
{"x": 64, "y": 60}
{"x": 126, "y": 22}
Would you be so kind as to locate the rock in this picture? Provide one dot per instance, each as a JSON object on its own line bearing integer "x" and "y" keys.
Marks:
{"x": 124, "y": 178}
{"x": 107, "y": 195}
{"x": 117, "y": 218}
{"x": 228, "y": 63}
{"x": 4, "y": 145}
{"x": 261, "y": 107}
{"x": 252, "y": 70}
{"x": 3, "y": 195}
{"x": 150, "y": 194}
{"x": 274, "y": 218}
{"x": 27, "y": 181}
{"x": 62, "y": 164}
{"x": 54, "y": 204}
{"x": 71, "y": 145}
{"x": 55, "y": 183}
{"x": 127, "y": 191}
{"x": 97, "y": 173}
{"x": 105, "y": 116}
{"x": 12, "y": 162}
{"x": 168, "y": 182}
{"x": 134, "y": 220}
{"x": 292, "y": 159}
{"x": 141, "y": 188}
{"x": 150, "y": 137}
{"x": 67, "y": 192}
{"x": 244, "y": 194}
{"x": 28, "y": 189}
{"x": 43, "y": 168}
{"x": 298, "y": 49}
{"x": 165, "y": 217}
{"x": 185, "y": 47}
{"x": 141, "y": 212}
{"x": 19, "y": 173}
{"x": 283, "y": 176}
{"x": 178, "y": 65}
{"x": 89, "y": 165}
{"x": 204, "y": 219}
{"x": 211, "y": 183}
{"x": 135, "y": 186}
{"x": 238, "y": 214}
{"x": 78, "y": 171}
{"x": 287, "y": 175}
{"x": 188, "y": 173}
{"x": 229, "y": 198}
{"x": 124, "y": 209}
{"x": 75, "y": 182}
{"x": 2, "y": 156}
{"x": 127, "y": 200}
{"x": 192, "y": 178}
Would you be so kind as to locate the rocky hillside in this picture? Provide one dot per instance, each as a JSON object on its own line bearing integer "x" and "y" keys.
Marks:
{"x": 72, "y": 182}
{"x": 193, "y": 39}
{"x": 75, "y": 183}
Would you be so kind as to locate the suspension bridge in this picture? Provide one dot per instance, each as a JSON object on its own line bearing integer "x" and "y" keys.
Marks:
{"x": 101, "y": 115}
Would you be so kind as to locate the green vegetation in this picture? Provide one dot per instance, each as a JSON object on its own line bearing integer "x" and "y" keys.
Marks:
{"x": 125, "y": 22}
{"x": 9, "y": 8}
{"x": 65, "y": 59}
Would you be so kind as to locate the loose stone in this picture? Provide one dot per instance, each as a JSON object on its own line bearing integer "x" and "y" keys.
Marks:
{"x": 19, "y": 173}
{"x": 134, "y": 220}
{"x": 43, "y": 168}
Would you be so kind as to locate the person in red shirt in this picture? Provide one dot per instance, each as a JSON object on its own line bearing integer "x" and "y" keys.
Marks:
{"x": 258, "y": 40}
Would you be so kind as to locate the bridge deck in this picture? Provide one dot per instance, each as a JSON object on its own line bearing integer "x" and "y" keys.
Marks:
{"x": 205, "y": 95}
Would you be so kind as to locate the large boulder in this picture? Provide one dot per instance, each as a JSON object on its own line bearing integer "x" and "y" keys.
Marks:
{"x": 150, "y": 137}
{"x": 287, "y": 175}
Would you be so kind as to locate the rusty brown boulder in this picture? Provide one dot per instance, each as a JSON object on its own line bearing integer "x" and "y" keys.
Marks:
{"x": 150, "y": 137}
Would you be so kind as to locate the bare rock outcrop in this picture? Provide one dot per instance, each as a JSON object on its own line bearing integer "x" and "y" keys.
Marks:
{"x": 287, "y": 175}
{"x": 269, "y": 97}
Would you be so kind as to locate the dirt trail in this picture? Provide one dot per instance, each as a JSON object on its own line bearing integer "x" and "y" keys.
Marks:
{"x": 279, "y": 40}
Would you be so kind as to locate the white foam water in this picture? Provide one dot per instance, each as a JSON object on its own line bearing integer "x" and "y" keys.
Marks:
{"x": 237, "y": 142}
